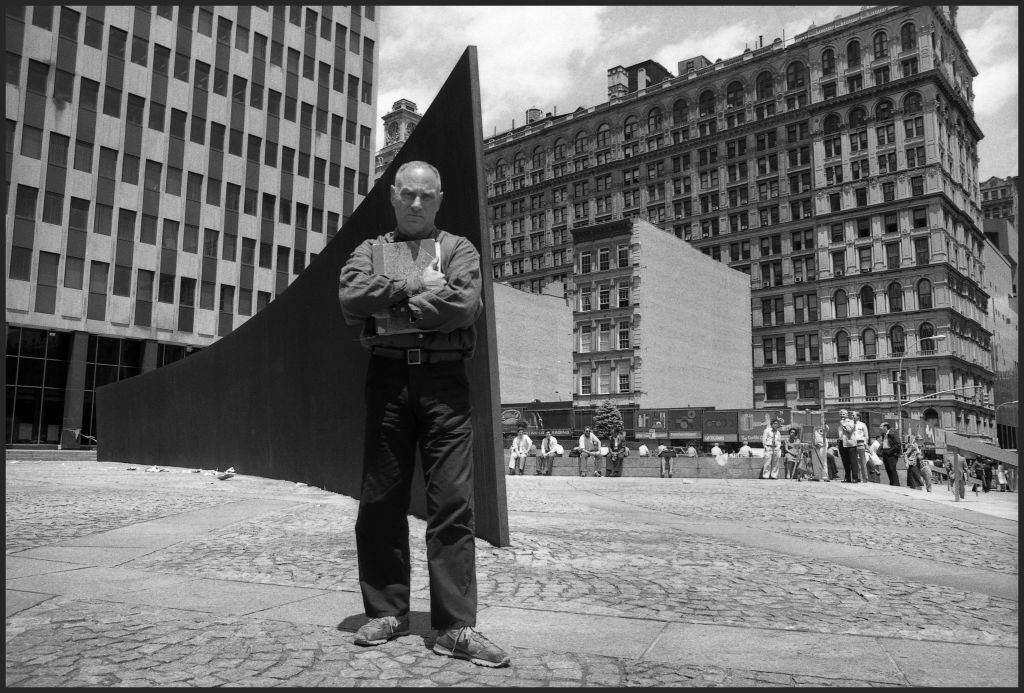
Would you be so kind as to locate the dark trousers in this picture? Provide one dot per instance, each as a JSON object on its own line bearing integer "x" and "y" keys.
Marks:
{"x": 851, "y": 470}
{"x": 890, "y": 460}
{"x": 613, "y": 465}
{"x": 425, "y": 407}
{"x": 833, "y": 472}
{"x": 914, "y": 479}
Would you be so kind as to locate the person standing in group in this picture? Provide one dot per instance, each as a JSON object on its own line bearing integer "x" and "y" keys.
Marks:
{"x": 791, "y": 452}
{"x": 519, "y": 451}
{"x": 665, "y": 453}
{"x": 771, "y": 440}
{"x": 924, "y": 465}
{"x": 589, "y": 448}
{"x": 617, "y": 452}
{"x": 832, "y": 458}
{"x": 913, "y": 456}
{"x": 1001, "y": 477}
{"x": 958, "y": 473}
{"x": 848, "y": 448}
{"x": 418, "y": 397}
{"x": 818, "y": 456}
{"x": 863, "y": 436}
{"x": 548, "y": 452}
{"x": 890, "y": 453}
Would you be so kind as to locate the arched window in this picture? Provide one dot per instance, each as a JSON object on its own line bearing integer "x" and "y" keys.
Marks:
{"x": 895, "y": 297}
{"x": 654, "y": 120}
{"x": 828, "y": 62}
{"x": 501, "y": 170}
{"x": 539, "y": 158}
{"x": 912, "y": 103}
{"x": 842, "y": 346}
{"x": 869, "y": 343}
{"x": 734, "y": 95}
{"x": 765, "y": 86}
{"x": 706, "y": 104}
{"x": 603, "y": 133}
{"x": 560, "y": 147}
{"x": 881, "y": 44}
{"x": 858, "y": 117}
{"x": 842, "y": 306}
{"x": 883, "y": 111}
{"x": 924, "y": 294}
{"x": 680, "y": 113}
{"x": 931, "y": 416}
{"x": 924, "y": 338}
{"x": 629, "y": 129}
{"x": 908, "y": 36}
{"x": 867, "y": 301}
{"x": 519, "y": 164}
{"x": 832, "y": 123}
{"x": 897, "y": 341}
{"x": 580, "y": 145}
{"x": 795, "y": 75}
{"x": 853, "y": 53}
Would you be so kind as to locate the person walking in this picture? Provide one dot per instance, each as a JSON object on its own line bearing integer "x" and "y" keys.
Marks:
{"x": 1001, "y": 477}
{"x": 848, "y": 448}
{"x": 589, "y": 448}
{"x": 417, "y": 397}
{"x": 549, "y": 449}
{"x": 890, "y": 452}
{"x": 519, "y": 451}
{"x": 913, "y": 456}
{"x": 958, "y": 473}
{"x": 771, "y": 440}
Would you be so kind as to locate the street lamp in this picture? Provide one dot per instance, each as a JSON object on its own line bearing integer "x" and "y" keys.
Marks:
{"x": 900, "y": 383}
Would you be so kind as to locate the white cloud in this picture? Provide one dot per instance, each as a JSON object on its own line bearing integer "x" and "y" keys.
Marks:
{"x": 422, "y": 44}
{"x": 725, "y": 42}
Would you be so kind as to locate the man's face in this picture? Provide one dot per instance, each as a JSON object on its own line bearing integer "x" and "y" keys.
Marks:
{"x": 586, "y": 431}
{"x": 416, "y": 197}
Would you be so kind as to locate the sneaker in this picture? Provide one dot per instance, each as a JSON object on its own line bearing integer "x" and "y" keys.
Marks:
{"x": 378, "y": 631}
{"x": 467, "y": 643}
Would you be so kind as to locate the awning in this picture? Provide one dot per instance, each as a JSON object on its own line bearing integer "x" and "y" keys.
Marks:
{"x": 977, "y": 447}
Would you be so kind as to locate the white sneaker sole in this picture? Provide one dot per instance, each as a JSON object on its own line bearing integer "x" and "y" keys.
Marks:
{"x": 445, "y": 652}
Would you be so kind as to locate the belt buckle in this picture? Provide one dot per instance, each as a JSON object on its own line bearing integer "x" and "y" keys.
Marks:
{"x": 414, "y": 357}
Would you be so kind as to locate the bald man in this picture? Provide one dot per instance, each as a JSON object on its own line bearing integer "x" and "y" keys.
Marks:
{"x": 417, "y": 396}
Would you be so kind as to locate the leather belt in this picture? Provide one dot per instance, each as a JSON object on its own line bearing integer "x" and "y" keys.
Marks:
{"x": 416, "y": 356}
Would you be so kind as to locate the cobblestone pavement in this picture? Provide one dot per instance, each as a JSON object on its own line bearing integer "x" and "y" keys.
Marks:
{"x": 632, "y": 550}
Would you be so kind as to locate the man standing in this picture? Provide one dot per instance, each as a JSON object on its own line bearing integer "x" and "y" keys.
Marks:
{"x": 861, "y": 434}
{"x": 519, "y": 451}
{"x": 417, "y": 396}
{"x": 548, "y": 451}
{"x": 771, "y": 440}
{"x": 589, "y": 448}
{"x": 665, "y": 454}
{"x": 890, "y": 453}
{"x": 848, "y": 448}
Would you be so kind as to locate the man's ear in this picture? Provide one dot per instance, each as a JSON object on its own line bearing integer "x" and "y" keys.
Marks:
{"x": 440, "y": 198}
{"x": 393, "y": 192}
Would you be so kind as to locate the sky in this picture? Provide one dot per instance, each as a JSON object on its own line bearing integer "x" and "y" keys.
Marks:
{"x": 556, "y": 58}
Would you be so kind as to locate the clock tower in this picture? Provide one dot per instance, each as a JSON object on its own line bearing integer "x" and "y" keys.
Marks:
{"x": 398, "y": 125}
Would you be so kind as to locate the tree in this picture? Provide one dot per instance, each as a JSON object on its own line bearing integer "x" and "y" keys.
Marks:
{"x": 606, "y": 419}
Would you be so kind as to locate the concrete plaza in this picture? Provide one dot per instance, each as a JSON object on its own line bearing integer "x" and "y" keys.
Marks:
{"x": 125, "y": 577}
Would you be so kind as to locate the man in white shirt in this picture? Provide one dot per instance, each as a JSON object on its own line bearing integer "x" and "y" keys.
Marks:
{"x": 771, "y": 440}
{"x": 848, "y": 448}
{"x": 665, "y": 453}
{"x": 548, "y": 451}
{"x": 745, "y": 451}
{"x": 691, "y": 451}
{"x": 520, "y": 450}
{"x": 862, "y": 435}
{"x": 589, "y": 447}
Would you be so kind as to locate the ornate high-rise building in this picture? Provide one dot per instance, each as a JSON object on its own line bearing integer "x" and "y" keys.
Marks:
{"x": 398, "y": 125}
{"x": 838, "y": 169}
{"x": 171, "y": 169}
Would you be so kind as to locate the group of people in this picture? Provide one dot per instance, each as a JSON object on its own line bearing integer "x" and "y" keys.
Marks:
{"x": 860, "y": 456}
{"x": 606, "y": 460}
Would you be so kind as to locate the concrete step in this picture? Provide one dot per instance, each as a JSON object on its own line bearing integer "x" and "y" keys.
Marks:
{"x": 49, "y": 454}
